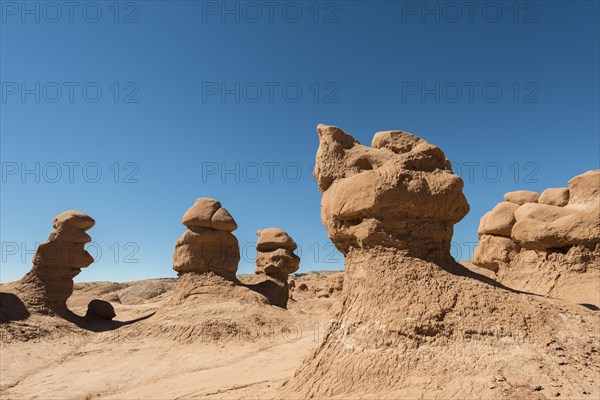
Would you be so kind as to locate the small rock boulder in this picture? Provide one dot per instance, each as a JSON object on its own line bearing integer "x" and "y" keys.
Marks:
{"x": 100, "y": 309}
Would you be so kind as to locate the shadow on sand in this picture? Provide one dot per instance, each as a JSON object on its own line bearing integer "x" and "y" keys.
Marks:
{"x": 13, "y": 309}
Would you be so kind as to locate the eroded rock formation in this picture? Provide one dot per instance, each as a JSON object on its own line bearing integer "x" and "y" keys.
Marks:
{"x": 275, "y": 260}
{"x": 208, "y": 244}
{"x": 206, "y": 257}
{"x": 549, "y": 244}
{"x": 49, "y": 283}
{"x": 408, "y": 309}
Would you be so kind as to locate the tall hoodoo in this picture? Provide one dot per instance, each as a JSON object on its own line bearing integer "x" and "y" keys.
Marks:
{"x": 48, "y": 285}
{"x": 408, "y": 308}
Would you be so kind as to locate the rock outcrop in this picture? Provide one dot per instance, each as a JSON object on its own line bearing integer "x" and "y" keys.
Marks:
{"x": 47, "y": 286}
{"x": 550, "y": 246}
{"x": 408, "y": 309}
{"x": 275, "y": 260}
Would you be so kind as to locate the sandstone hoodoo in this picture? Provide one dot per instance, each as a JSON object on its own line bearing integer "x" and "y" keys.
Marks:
{"x": 550, "y": 246}
{"x": 407, "y": 308}
{"x": 275, "y": 259}
{"x": 208, "y": 244}
{"x": 209, "y": 302}
{"x": 49, "y": 283}
{"x": 206, "y": 256}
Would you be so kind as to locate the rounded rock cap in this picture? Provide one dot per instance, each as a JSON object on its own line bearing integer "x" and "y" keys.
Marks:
{"x": 208, "y": 213}
{"x": 271, "y": 239}
{"x": 74, "y": 218}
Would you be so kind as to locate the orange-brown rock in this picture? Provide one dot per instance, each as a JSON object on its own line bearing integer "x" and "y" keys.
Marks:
{"x": 553, "y": 246}
{"x": 555, "y": 197}
{"x": 208, "y": 244}
{"x": 407, "y": 308}
{"x": 521, "y": 197}
{"x": 275, "y": 260}
{"x": 48, "y": 285}
{"x": 399, "y": 193}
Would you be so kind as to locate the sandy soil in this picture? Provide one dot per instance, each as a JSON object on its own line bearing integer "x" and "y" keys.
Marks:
{"x": 69, "y": 362}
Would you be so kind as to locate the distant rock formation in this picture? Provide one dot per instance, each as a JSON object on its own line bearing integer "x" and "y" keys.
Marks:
{"x": 209, "y": 303}
{"x": 408, "y": 310}
{"x": 275, "y": 260}
{"x": 47, "y": 286}
{"x": 547, "y": 244}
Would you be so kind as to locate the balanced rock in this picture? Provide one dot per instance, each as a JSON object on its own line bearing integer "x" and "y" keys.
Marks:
{"x": 208, "y": 213}
{"x": 522, "y": 196}
{"x": 543, "y": 248}
{"x": 407, "y": 306}
{"x": 48, "y": 285}
{"x": 208, "y": 244}
{"x": 275, "y": 259}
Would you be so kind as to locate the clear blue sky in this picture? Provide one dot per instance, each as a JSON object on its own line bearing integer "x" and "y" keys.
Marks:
{"x": 201, "y": 89}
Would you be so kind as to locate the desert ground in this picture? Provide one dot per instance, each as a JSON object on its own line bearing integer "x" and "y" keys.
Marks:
{"x": 68, "y": 362}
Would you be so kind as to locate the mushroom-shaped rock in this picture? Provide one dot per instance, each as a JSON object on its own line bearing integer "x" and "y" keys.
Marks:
{"x": 206, "y": 259}
{"x": 208, "y": 244}
{"x": 399, "y": 193}
{"x": 48, "y": 285}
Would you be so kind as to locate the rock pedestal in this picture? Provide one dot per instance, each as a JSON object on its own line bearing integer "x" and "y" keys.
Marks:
{"x": 48, "y": 285}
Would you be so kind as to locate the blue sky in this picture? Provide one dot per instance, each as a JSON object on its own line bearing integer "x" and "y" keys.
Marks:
{"x": 128, "y": 112}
